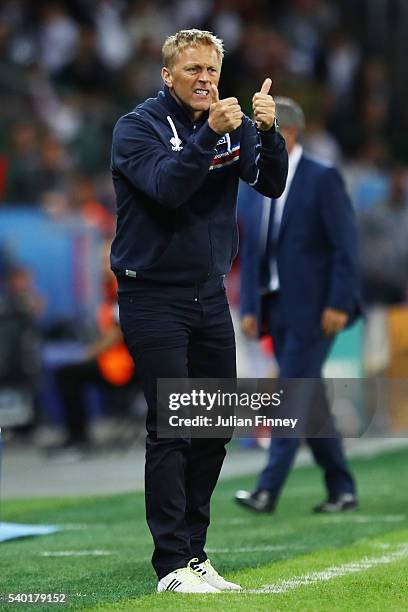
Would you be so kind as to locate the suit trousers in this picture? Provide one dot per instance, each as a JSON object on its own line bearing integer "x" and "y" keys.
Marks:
{"x": 301, "y": 354}
{"x": 178, "y": 332}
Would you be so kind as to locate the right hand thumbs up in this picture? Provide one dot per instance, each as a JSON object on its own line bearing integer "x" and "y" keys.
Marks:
{"x": 225, "y": 115}
{"x": 215, "y": 96}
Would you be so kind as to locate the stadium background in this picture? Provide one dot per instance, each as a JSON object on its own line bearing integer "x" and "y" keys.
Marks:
{"x": 68, "y": 70}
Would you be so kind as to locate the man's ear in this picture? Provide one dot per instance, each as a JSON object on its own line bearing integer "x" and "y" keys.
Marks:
{"x": 166, "y": 76}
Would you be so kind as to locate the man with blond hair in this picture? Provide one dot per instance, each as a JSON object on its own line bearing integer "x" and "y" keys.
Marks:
{"x": 176, "y": 162}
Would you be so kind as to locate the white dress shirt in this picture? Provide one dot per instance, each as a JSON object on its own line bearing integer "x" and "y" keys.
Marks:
{"x": 294, "y": 159}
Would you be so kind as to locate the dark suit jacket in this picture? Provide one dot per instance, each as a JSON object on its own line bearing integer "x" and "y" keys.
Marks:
{"x": 316, "y": 248}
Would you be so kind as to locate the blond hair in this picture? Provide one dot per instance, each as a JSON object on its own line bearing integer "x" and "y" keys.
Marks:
{"x": 189, "y": 38}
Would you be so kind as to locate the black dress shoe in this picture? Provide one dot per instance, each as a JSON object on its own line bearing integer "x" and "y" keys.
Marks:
{"x": 258, "y": 501}
{"x": 341, "y": 503}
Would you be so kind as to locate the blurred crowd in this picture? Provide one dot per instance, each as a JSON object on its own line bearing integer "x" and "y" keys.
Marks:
{"x": 69, "y": 69}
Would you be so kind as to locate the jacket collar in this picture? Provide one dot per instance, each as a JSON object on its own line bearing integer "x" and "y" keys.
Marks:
{"x": 177, "y": 110}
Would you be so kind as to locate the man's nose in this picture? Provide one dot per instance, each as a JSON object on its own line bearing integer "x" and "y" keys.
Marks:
{"x": 204, "y": 77}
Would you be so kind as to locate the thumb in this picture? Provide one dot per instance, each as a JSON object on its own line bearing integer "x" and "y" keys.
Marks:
{"x": 214, "y": 94}
{"x": 266, "y": 85}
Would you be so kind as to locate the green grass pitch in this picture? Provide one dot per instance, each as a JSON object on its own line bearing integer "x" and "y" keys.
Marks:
{"x": 292, "y": 560}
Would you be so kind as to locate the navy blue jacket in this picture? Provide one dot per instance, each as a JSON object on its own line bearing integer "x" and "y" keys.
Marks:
{"x": 176, "y": 186}
{"x": 316, "y": 248}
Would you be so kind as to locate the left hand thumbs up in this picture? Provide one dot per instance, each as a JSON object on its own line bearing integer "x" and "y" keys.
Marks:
{"x": 266, "y": 85}
{"x": 263, "y": 106}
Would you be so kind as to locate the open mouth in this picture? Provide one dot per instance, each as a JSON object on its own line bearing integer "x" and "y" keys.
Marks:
{"x": 202, "y": 92}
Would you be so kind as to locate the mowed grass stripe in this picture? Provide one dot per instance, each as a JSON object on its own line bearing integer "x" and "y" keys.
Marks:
{"x": 376, "y": 582}
{"x": 241, "y": 541}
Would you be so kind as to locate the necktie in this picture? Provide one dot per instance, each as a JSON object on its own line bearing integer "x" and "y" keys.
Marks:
{"x": 273, "y": 233}
{"x": 272, "y": 248}
{"x": 268, "y": 250}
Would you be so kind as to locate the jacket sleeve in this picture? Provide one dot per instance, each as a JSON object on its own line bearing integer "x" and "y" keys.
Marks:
{"x": 340, "y": 225}
{"x": 263, "y": 160}
{"x": 140, "y": 155}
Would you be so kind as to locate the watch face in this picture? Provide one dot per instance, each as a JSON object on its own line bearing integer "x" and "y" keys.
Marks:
{"x": 274, "y": 127}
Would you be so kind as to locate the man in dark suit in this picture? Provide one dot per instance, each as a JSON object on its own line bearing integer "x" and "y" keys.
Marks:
{"x": 299, "y": 276}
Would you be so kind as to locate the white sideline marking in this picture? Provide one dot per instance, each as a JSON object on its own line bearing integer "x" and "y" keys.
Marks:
{"x": 76, "y": 553}
{"x": 246, "y": 549}
{"x": 234, "y": 521}
{"x": 246, "y": 521}
{"x": 333, "y": 572}
{"x": 365, "y": 518}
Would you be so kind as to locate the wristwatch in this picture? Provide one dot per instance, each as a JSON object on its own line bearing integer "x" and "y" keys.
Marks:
{"x": 273, "y": 129}
{"x": 275, "y": 126}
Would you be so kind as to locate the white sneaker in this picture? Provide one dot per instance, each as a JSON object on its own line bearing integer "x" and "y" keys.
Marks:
{"x": 185, "y": 580}
{"x": 212, "y": 577}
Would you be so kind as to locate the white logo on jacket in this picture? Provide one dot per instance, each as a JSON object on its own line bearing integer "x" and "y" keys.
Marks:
{"x": 176, "y": 144}
{"x": 175, "y": 141}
